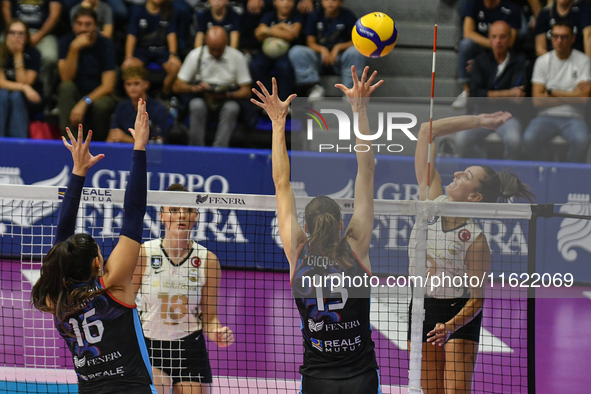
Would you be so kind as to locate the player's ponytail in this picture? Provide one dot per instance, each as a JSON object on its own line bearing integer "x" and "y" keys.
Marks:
{"x": 501, "y": 186}
{"x": 323, "y": 218}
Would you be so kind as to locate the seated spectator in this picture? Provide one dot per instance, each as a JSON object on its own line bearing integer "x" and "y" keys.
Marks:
{"x": 216, "y": 75}
{"x": 563, "y": 73}
{"x": 479, "y": 16}
{"x": 118, "y": 9}
{"x": 104, "y": 15}
{"x": 329, "y": 48}
{"x": 220, "y": 14}
{"x": 21, "y": 91}
{"x": 285, "y": 23}
{"x": 152, "y": 39}
{"x": 87, "y": 70}
{"x": 576, "y": 12}
{"x": 135, "y": 81}
{"x": 41, "y": 17}
{"x": 496, "y": 73}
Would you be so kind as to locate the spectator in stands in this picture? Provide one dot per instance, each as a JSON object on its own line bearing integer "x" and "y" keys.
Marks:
{"x": 220, "y": 14}
{"x": 329, "y": 48}
{"x": 284, "y": 23}
{"x": 135, "y": 81}
{"x": 215, "y": 75}
{"x": 87, "y": 70}
{"x": 563, "y": 73}
{"x": 479, "y": 15}
{"x": 20, "y": 90}
{"x": 496, "y": 73}
{"x": 118, "y": 9}
{"x": 104, "y": 15}
{"x": 41, "y": 17}
{"x": 151, "y": 39}
{"x": 576, "y": 12}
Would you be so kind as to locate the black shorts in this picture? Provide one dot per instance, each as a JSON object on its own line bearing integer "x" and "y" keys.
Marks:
{"x": 184, "y": 360}
{"x": 441, "y": 310}
{"x": 366, "y": 383}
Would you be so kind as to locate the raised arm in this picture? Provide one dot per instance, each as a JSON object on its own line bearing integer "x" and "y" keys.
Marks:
{"x": 122, "y": 262}
{"x": 83, "y": 160}
{"x": 360, "y": 228}
{"x": 291, "y": 233}
{"x": 441, "y": 128}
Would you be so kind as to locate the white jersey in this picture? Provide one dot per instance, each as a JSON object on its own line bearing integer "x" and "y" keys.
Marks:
{"x": 446, "y": 254}
{"x": 171, "y": 294}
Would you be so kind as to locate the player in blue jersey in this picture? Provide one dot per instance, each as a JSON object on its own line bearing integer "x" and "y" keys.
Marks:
{"x": 93, "y": 303}
{"x": 339, "y": 354}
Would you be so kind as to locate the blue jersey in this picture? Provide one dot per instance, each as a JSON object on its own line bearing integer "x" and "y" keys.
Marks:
{"x": 330, "y": 31}
{"x": 206, "y": 21}
{"x": 484, "y": 17}
{"x": 106, "y": 361}
{"x": 150, "y": 30}
{"x": 335, "y": 321}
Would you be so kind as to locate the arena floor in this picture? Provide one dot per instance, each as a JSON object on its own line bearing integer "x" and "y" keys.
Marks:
{"x": 265, "y": 358}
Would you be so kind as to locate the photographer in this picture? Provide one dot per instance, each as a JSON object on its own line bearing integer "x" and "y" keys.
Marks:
{"x": 214, "y": 76}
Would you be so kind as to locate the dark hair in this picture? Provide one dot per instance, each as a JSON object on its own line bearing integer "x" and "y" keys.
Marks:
{"x": 86, "y": 12}
{"x": 64, "y": 285}
{"x": 501, "y": 186}
{"x": 323, "y": 217}
{"x": 5, "y": 53}
{"x": 565, "y": 23}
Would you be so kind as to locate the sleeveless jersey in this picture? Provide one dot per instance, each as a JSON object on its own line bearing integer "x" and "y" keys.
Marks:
{"x": 335, "y": 325}
{"x": 171, "y": 294}
{"x": 107, "y": 346}
{"x": 446, "y": 254}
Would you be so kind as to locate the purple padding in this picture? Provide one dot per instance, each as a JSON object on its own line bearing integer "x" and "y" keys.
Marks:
{"x": 258, "y": 307}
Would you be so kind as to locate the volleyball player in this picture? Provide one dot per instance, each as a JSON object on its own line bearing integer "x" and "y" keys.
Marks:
{"x": 94, "y": 310}
{"x": 453, "y": 315}
{"x": 178, "y": 280}
{"x": 339, "y": 353}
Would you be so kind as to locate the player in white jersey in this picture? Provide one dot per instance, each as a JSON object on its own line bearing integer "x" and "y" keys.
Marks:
{"x": 456, "y": 246}
{"x": 178, "y": 281}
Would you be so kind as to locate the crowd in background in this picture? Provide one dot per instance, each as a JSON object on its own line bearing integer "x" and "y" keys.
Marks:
{"x": 513, "y": 49}
{"x": 195, "y": 61}
{"x": 192, "y": 61}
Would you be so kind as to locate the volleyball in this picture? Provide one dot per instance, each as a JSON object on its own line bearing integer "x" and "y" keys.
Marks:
{"x": 275, "y": 47}
{"x": 375, "y": 34}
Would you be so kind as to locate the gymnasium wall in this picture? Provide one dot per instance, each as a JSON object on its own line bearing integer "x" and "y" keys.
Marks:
{"x": 564, "y": 245}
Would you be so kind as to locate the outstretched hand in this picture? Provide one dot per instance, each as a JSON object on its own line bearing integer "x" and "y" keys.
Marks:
{"x": 141, "y": 130}
{"x": 276, "y": 109}
{"x": 81, "y": 155}
{"x": 495, "y": 120}
{"x": 362, "y": 89}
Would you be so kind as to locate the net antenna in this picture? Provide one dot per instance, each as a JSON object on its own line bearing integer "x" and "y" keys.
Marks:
{"x": 418, "y": 310}
{"x": 431, "y": 110}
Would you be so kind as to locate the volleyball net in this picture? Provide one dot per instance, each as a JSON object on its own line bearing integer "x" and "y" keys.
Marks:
{"x": 255, "y": 299}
